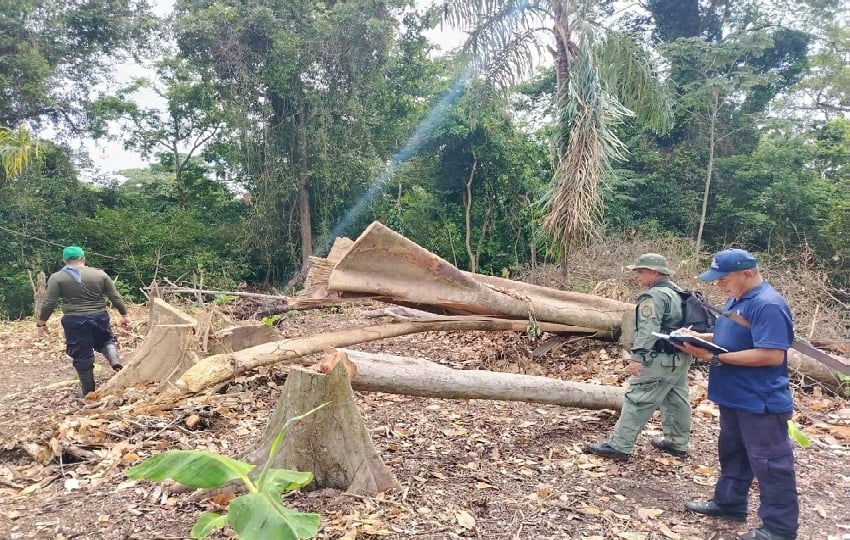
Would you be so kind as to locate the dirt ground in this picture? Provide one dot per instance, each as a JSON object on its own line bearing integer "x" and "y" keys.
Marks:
{"x": 468, "y": 469}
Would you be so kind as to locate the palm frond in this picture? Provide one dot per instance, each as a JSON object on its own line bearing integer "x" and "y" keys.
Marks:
{"x": 585, "y": 146}
{"x": 504, "y": 37}
{"x": 17, "y": 149}
{"x": 626, "y": 71}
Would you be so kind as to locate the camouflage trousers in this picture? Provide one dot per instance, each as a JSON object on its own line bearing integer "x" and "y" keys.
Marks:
{"x": 664, "y": 386}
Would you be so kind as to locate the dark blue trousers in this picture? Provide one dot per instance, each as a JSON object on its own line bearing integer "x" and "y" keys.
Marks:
{"x": 758, "y": 445}
{"x": 85, "y": 334}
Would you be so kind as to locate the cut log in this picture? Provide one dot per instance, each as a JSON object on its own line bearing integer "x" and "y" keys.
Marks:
{"x": 222, "y": 367}
{"x": 236, "y": 338}
{"x": 332, "y": 443}
{"x": 384, "y": 263}
{"x": 167, "y": 351}
{"x": 417, "y": 377}
{"x": 814, "y": 370}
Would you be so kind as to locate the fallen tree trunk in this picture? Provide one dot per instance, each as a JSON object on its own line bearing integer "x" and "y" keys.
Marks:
{"x": 384, "y": 263}
{"x": 809, "y": 367}
{"x": 222, "y": 367}
{"x": 417, "y": 377}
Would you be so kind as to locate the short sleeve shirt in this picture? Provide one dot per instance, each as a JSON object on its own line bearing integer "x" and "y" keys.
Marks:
{"x": 763, "y": 389}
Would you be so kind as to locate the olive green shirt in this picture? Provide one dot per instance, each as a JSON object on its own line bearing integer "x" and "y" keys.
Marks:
{"x": 659, "y": 309}
{"x": 80, "y": 298}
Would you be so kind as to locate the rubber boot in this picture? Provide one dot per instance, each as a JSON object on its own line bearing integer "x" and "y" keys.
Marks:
{"x": 110, "y": 351}
{"x": 86, "y": 382}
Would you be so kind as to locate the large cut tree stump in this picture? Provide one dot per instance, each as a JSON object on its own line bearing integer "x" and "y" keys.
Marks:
{"x": 333, "y": 443}
{"x": 167, "y": 351}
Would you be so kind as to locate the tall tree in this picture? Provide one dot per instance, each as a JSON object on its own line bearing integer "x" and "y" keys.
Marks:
{"x": 603, "y": 76}
{"x": 176, "y": 131}
{"x": 55, "y": 52}
{"x": 299, "y": 79}
{"x": 728, "y": 61}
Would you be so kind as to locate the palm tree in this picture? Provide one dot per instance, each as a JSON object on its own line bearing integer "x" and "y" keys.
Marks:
{"x": 17, "y": 150}
{"x": 602, "y": 76}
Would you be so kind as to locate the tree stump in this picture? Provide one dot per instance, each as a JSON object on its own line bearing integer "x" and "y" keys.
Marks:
{"x": 167, "y": 351}
{"x": 333, "y": 443}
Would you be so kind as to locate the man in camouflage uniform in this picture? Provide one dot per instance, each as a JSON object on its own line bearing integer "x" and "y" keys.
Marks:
{"x": 659, "y": 371}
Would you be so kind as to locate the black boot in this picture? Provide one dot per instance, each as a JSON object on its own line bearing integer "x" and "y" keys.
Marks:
{"x": 110, "y": 351}
{"x": 86, "y": 382}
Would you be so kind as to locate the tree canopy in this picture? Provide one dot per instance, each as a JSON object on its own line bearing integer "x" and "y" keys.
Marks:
{"x": 282, "y": 124}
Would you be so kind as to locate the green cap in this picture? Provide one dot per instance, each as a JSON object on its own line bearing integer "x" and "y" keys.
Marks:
{"x": 72, "y": 253}
{"x": 652, "y": 261}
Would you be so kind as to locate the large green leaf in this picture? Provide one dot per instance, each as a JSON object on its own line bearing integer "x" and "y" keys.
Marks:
{"x": 279, "y": 481}
{"x": 193, "y": 468}
{"x": 798, "y": 436}
{"x": 260, "y": 516}
{"x": 207, "y": 523}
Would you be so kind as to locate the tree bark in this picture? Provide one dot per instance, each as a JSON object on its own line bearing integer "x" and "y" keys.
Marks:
{"x": 333, "y": 443}
{"x": 809, "y": 367}
{"x": 712, "y": 143}
{"x": 222, "y": 367}
{"x": 167, "y": 351}
{"x": 418, "y": 277}
{"x": 416, "y": 377}
{"x": 467, "y": 214}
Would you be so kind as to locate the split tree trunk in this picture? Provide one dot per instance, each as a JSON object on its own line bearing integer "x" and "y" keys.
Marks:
{"x": 167, "y": 351}
{"x": 332, "y": 443}
{"x": 385, "y": 264}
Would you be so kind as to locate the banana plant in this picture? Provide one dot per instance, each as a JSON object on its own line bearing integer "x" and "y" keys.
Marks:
{"x": 256, "y": 515}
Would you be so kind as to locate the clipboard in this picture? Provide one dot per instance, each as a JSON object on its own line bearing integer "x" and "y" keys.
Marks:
{"x": 678, "y": 338}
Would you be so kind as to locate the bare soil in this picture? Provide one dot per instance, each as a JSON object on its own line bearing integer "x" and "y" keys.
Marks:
{"x": 469, "y": 469}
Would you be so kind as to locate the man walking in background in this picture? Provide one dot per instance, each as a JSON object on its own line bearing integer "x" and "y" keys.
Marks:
{"x": 750, "y": 385}
{"x": 83, "y": 292}
{"x": 659, "y": 371}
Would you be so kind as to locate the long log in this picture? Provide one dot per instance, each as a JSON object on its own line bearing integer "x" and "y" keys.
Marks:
{"x": 417, "y": 377}
{"x": 386, "y": 263}
{"x": 222, "y": 367}
{"x": 809, "y": 367}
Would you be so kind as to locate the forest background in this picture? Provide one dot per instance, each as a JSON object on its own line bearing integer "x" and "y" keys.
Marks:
{"x": 287, "y": 123}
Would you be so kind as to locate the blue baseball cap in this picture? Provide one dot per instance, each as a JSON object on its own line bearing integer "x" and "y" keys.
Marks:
{"x": 728, "y": 260}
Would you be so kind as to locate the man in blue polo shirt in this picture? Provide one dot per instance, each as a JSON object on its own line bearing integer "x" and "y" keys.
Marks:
{"x": 750, "y": 385}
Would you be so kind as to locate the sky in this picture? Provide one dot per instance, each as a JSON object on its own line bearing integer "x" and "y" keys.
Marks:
{"x": 110, "y": 156}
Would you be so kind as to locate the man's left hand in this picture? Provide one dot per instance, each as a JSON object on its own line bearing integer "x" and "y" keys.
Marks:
{"x": 634, "y": 368}
{"x": 696, "y": 352}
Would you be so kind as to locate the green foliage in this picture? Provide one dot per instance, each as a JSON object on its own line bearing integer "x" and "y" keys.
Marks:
{"x": 221, "y": 299}
{"x": 56, "y": 52}
{"x": 259, "y": 514}
{"x": 798, "y": 436}
{"x": 17, "y": 150}
{"x": 271, "y": 321}
{"x": 324, "y": 108}
{"x": 844, "y": 381}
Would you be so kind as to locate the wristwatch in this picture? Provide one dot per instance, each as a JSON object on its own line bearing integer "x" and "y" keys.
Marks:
{"x": 715, "y": 360}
